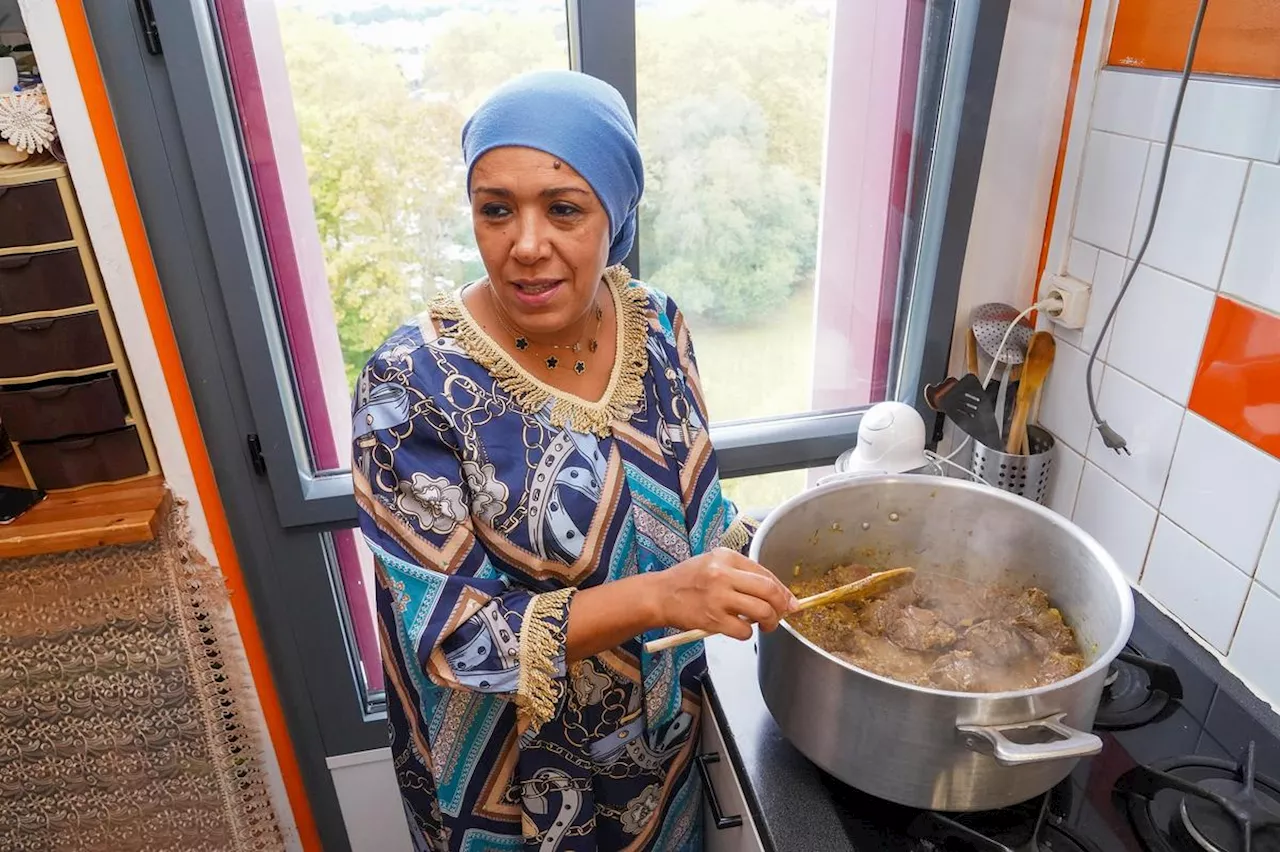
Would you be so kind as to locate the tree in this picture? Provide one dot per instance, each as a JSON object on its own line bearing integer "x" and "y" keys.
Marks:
{"x": 383, "y": 190}
{"x": 725, "y": 232}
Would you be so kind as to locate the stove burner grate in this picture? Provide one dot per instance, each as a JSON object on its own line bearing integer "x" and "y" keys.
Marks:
{"x": 1138, "y": 691}
{"x": 997, "y": 831}
{"x": 1199, "y": 803}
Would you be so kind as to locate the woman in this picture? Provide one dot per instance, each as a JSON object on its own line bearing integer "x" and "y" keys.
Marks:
{"x": 536, "y": 483}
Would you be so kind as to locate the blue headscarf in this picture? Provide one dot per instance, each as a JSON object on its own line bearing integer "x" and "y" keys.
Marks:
{"x": 575, "y": 118}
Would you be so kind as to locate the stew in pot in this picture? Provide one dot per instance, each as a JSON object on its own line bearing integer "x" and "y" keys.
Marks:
{"x": 944, "y": 633}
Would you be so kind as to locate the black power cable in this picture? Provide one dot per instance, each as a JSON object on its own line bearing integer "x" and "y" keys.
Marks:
{"x": 1113, "y": 439}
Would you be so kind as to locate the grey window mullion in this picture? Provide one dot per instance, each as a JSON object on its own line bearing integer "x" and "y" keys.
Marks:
{"x": 210, "y": 133}
{"x": 602, "y": 43}
{"x": 959, "y": 62}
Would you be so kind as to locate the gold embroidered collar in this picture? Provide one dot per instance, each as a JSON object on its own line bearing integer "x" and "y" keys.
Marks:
{"x": 531, "y": 394}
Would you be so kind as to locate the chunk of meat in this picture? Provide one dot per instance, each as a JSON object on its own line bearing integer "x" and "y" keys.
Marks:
{"x": 880, "y": 613}
{"x": 944, "y": 632}
{"x": 1047, "y": 623}
{"x": 1056, "y": 667}
{"x": 919, "y": 629}
{"x": 957, "y": 671}
{"x": 995, "y": 643}
{"x": 956, "y": 602}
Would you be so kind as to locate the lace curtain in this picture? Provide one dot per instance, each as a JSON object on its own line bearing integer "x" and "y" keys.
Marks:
{"x": 123, "y": 696}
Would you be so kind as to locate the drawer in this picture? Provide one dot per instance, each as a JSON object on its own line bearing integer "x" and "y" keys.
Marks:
{"x": 58, "y": 409}
{"x": 32, "y": 214}
{"x": 33, "y": 347}
{"x": 72, "y": 462}
{"x": 722, "y": 785}
{"x": 42, "y": 282}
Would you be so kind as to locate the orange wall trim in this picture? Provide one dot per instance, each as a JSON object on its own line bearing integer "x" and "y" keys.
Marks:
{"x": 1238, "y": 383}
{"x": 1072, "y": 85}
{"x": 135, "y": 237}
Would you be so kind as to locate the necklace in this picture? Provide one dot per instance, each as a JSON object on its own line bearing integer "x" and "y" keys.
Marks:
{"x": 552, "y": 361}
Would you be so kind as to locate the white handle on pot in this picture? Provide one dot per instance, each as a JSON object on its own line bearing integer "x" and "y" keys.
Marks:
{"x": 1069, "y": 743}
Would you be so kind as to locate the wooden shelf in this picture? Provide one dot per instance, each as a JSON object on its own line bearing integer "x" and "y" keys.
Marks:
{"x": 115, "y": 513}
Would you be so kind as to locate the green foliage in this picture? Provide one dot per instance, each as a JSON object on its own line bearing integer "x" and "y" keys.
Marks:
{"x": 380, "y": 182}
{"x": 724, "y": 231}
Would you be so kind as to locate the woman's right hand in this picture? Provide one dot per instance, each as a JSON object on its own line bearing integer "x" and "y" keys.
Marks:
{"x": 721, "y": 591}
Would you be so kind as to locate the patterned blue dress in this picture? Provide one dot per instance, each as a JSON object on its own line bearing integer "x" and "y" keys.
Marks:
{"x": 488, "y": 498}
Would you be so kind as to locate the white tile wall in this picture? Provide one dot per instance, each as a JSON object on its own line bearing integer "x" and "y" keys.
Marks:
{"x": 1065, "y": 482}
{"x": 1253, "y": 653}
{"x": 1197, "y": 212}
{"x": 1161, "y": 355}
{"x": 1253, "y": 264}
{"x": 1240, "y": 119}
{"x": 1268, "y": 573}
{"x": 1237, "y": 118}
{"x": 1110, "y": 184}
{"x": 1060, "y": 409}
{"x": 1116, "y": 517}
{"x": 1149, "y": 422}
{"x": 1193, "y": 515}
{"x": 1222, "y": 490}
{"x": 1199, "y": 586}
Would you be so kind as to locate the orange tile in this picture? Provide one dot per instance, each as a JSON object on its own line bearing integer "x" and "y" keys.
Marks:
{"x": 1238, "y": 383}
{"x": 1238, "y": 38}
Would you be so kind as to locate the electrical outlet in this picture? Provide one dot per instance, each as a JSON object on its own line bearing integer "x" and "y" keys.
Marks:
{"x": 1075, "y": 300}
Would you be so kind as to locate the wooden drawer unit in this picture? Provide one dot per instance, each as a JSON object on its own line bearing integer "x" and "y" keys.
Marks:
{"x": 67, "y": 397}
{"x": 59, "y": 409}
{"x": 35, "y": 347}
{"x": 32, "y": 214}
{"x": 75, "y": 462}
{"x": 48, "y": 281}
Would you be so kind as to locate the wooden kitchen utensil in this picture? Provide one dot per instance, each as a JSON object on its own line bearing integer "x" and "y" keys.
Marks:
{"x": 882, "y": 581}
{"x": 1040, "y": 354}
{"x": 971, "y": 353}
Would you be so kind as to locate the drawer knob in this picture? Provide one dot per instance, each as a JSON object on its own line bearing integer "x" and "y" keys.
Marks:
{"x": 14, "y": 261}
{"x": 33, "y": 325}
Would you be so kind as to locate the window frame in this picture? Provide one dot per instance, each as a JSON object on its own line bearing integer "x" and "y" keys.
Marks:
{"x": 601, "y": 43}
{"x": 178, "y": 128}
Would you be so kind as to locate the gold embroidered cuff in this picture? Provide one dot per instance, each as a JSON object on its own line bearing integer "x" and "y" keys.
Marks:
{"x": 542, "y": 637}
{"x": 738, "y": 535}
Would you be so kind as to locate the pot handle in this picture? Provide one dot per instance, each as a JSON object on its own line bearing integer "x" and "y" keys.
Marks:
{"x": 1067, "y": 743}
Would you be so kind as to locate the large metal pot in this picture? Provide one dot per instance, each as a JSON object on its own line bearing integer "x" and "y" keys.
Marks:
{"x": 923, "y": 747}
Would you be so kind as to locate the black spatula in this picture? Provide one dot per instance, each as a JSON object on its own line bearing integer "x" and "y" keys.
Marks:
{"x": 969, "y": 406}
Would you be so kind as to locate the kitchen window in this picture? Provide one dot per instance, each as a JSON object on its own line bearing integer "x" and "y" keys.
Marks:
{"x": 811, "y": 166}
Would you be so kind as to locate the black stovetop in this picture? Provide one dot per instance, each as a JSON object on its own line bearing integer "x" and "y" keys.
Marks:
{"x": 1172, "y": 715}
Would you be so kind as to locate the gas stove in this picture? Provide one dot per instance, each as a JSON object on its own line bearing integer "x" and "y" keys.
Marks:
{"x": 1190, "y": 762}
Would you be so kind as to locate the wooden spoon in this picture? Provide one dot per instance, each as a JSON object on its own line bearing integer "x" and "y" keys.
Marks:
{"x": 864, "y": 588}
{"x": 971, "y": 353}
{"x": 1034, "y": 371}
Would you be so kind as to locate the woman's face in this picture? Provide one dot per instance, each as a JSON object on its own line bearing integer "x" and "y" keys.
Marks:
{"x": 543, "y": 237}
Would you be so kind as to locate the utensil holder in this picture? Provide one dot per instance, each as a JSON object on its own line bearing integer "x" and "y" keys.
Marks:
{"x": 1027, "y": 476}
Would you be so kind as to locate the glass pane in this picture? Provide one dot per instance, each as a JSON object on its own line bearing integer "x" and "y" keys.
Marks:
{"x": 354, "y": 566}
{"x": 760, "y": 494}
{"x": 773, "y": 211}
{"x": 350, "y": 115}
